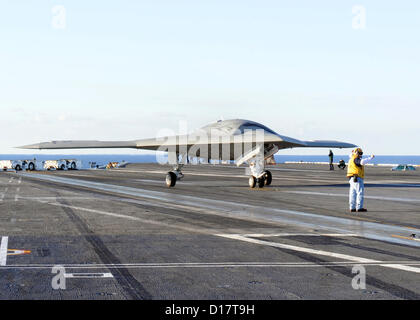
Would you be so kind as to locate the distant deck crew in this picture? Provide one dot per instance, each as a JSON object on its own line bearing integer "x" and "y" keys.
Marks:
{"x": 331, "y": 156}
{"x": 356, "y": 175}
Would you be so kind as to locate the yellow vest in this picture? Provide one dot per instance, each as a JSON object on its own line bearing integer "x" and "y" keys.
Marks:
{"x": 354, "y": 170}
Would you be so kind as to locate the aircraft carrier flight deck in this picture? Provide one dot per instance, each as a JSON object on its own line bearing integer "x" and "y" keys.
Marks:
{"x": 122, "y": 234}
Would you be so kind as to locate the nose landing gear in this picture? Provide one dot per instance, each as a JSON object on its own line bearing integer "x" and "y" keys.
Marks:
{"x": 170, "y": 179}
{"x": 173, "y": 176}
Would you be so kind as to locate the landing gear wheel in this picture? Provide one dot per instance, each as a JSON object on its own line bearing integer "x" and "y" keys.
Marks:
{"x": 268, "y": 178}
{"x": 31, "y": 166}
{"x": 63, "y": 167}
{"x": 252, "y": 182}
{"x": 171, "y": 179}
{"x": 261, "y": 182}
{"x": 18, "y": 168}
{"x": 73, "y": 166}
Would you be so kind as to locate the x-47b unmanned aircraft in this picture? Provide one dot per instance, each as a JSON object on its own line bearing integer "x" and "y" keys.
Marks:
{"x": 242, "y": 141}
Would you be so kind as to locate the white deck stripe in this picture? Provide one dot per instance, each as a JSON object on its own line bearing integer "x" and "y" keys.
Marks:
{"x": 17, "y": 196}
{"x": 3, "y": 250}
{"x": 3, "y": 194}
{"x": 145, "y": 221}
{"x": 58, "y": 198}
{"x": 268, "y": 235}
{"x": 211, "y": 265}
{"x": 346, "y": 196}
{"x": 88, "y": 275}
{"x": 320, "y": 252}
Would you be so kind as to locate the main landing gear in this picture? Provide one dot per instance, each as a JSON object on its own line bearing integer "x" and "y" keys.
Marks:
{"x": 259, "y": 176}
{"x": 264, "y": 180}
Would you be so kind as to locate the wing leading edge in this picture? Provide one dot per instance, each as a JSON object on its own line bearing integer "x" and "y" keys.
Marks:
{"x": 81, "y": 145}
{"x": 327, "y": 144}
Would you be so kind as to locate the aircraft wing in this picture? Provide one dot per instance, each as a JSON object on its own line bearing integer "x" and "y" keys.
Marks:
{"x": 327, "y": 144}
{"x": 282, "y": 142}
{"x": 81, "y": 145}
{"x": 147, "y": 144}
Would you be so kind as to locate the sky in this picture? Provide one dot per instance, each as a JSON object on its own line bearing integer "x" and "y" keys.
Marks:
{"x": 121, "y": 70}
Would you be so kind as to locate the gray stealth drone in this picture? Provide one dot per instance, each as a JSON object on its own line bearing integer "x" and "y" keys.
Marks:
{"x": 240, "y": 140}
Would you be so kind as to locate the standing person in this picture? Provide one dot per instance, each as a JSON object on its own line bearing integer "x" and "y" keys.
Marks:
{"x": 356, "y": 175}
{"x": 331, "y": 155}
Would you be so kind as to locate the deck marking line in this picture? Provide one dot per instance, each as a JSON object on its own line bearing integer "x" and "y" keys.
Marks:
{"x": 88, "y": 275}
{"x": 16, "y": 252}
{"x": 402, "y": 237}
{"x": 3, "y": 250}
{"x": 346, "y": 195}
{"x": 208, "y": 265}
{"x": 268, "y": 235}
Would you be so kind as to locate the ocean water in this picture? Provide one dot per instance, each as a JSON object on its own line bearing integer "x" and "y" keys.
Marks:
{"x": 102, "y": 159}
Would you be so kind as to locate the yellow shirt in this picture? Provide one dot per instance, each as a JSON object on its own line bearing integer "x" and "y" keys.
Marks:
{"x": 354, "y": 170}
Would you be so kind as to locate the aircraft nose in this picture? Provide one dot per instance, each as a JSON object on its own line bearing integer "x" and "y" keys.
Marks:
{"x": 30, "y": 146}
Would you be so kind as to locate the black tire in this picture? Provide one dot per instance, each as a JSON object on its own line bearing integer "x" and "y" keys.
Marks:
{"x": 31, "y": 166}
{"x": 18, "y": 168}
{"x": 171, "y": 179}
{"x": 63, "y": 167}
{"x": 268, "y": 178}
{"x": 73, "y": 166}
{"x": 252, "y": 182}
{"x": 261, "y": 182}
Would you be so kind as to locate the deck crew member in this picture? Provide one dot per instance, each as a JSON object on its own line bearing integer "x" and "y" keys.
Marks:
{"x": 356, "y": 175}
{"x": 331, "y": 156}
